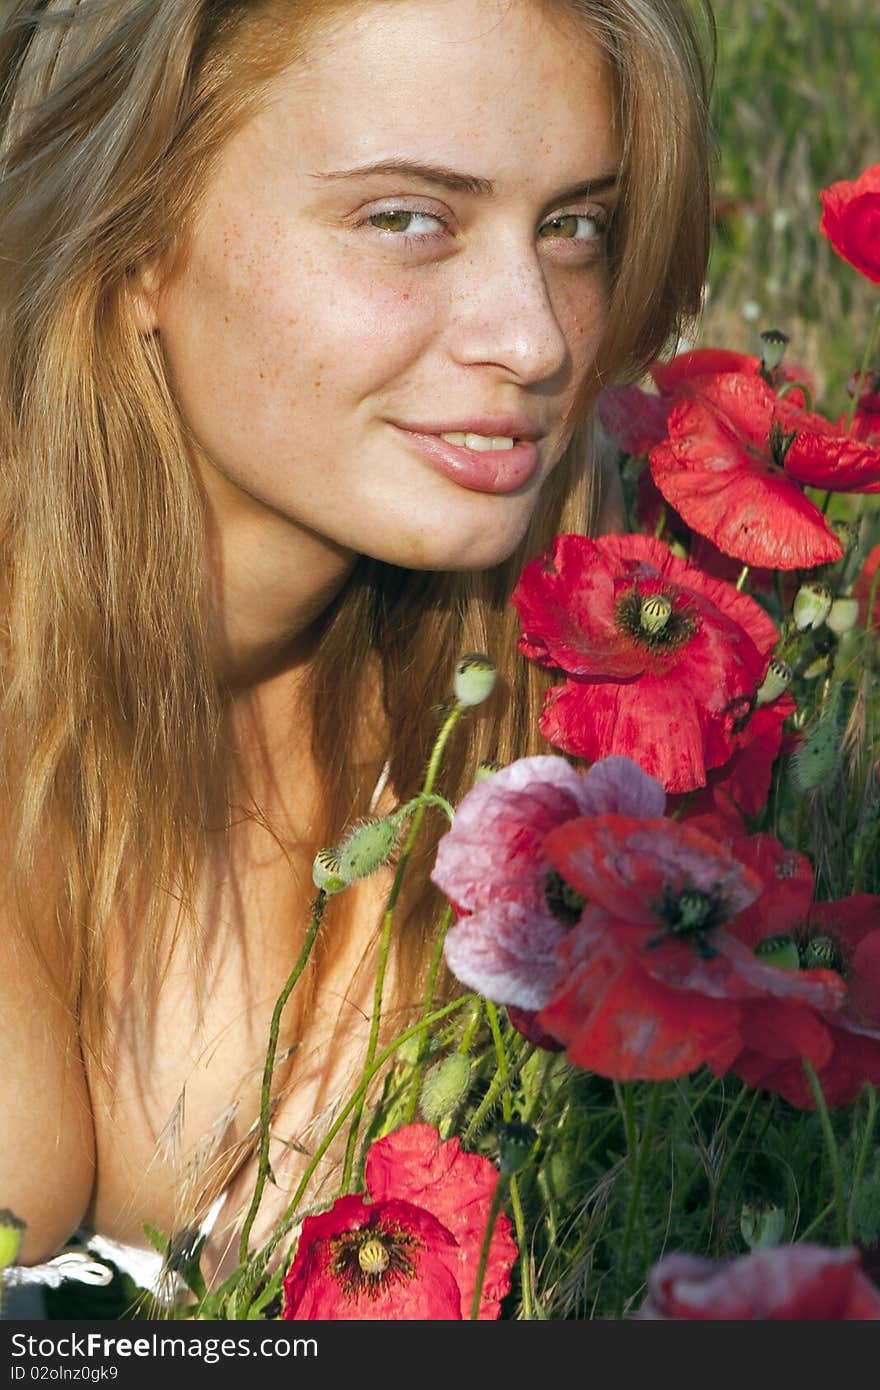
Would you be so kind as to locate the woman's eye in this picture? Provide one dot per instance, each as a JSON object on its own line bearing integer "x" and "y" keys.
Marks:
{"x": 399, "y": 220}
{"x": 572, "y": 226}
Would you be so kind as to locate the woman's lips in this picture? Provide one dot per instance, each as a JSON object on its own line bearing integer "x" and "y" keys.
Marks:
{"x": 492, "y": 470}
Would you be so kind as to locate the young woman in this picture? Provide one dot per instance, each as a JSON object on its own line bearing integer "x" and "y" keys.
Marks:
{"x": 305, "y": 306}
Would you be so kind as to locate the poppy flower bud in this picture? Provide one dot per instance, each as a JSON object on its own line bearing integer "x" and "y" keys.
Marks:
{"x": 773, "y": 345}
{"x": 445, "y": 1084}
{"x": 812, "y": 604}
{"x": 516, "y": 1144}
{"x": 474, "y": 679}
{"x": 325, "y": 872}
{"x": 843, "y": 615}
{"x": 777, "y": 679}
{"x": 11, "y": 1230}
{"x": 367, "y": 847}
{"x": 780, "y": 951}
{"x": 761, "y": 1225}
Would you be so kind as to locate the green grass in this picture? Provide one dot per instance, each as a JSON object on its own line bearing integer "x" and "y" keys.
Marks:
{"x": 796, "y": 107}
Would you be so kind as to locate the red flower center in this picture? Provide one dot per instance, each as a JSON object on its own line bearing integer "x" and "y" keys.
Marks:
{"x": 368, "y": 1261}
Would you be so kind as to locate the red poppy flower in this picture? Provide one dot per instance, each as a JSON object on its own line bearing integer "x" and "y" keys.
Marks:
{"x": 867, "y": 581}
{"x": 637, "y": 420}
{"x": 784, "y": 1283}
{"x": 851, "y": 220}
{"x": 843, "y": 937}
{"x": 655, "y": 654}
{"x": 512, "y": 909}
{"x": 721, "y": 468}
{"x": 455, "y": 1187}
{"x": 411, "y": 1248}
{"x": 655, "y": 983}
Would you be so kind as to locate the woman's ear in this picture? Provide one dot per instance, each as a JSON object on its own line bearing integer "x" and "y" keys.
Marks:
{"x": 144, "y": 286}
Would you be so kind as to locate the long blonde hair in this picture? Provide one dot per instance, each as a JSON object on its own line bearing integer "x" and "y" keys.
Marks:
{"x": 112, "y": 749}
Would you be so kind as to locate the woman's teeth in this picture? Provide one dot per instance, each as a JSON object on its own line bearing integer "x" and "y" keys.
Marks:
{"x": 481, "y": 442}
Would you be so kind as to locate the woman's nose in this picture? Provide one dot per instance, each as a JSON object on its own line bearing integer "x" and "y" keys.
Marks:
{"x": 503, "y": 315}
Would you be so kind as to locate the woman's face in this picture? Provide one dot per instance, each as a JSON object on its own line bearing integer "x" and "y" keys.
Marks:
{"x": 406, "y": 243}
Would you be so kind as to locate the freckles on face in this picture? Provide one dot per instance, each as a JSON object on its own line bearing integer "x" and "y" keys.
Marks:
{"x": 317, "y": 304}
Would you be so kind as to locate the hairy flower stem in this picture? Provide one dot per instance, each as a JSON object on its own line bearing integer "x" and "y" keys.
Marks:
{"x": 497, "y": 1086}
{"x": 831, "y": 1150}
{"x": 638, "y": 1154}
{"x": 385, "y": 941}
{"x": 421, "y": 1055}
{"x": 515, "y": 1202}
{"x": 494, "y": 1209}
{"x": 268, "y": 1069}
{"x": 861, "y": 1160}
{"x": 818, "y": 1221}
{"x": 864, "y": 368}
{"x": 470, "y": 1027}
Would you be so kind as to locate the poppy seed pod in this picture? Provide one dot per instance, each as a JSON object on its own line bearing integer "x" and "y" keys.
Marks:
{"x": 777, "y": 679}
{"x": 843, "y": 615}
{"x": 475, "y": 678}
{"x": 326, "y": 874}
{"x": 761, "y": 1225}
{"x": 773, "y": 345}
{"x": 812, "y": 604}
{"x": 780, "y": 951}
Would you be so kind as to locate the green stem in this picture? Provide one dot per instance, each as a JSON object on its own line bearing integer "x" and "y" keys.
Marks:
{"x": 385, "y": 941}
{"x": 268, "y": 1069}
{"x": 818, "y": 1221}
{"x": 861, "y": 1160}
{"x": 496, "y": 1087}
{"x": 638, "y": 1171}
{"x": 522, "y": 1245}
{"x": 831, "y": 1149}
{"x": 470, "y": 1027}
{"x": 501, "y": 1058}
{"x": 494, "y": 1209}
{"x": 738, "y": 1142}
{"x": 421, "y": 1055}
{"x": 797, "y": 386}
{"x": 863, "y": 370}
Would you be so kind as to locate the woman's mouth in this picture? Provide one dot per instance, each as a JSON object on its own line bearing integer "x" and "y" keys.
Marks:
{"x": 494, "y": 463}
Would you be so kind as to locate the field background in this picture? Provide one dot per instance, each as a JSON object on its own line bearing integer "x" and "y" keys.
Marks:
{"x": 797, "y": 106}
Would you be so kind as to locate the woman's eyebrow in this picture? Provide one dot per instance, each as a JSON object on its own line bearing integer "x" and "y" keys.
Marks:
{"x": 459, "y": 182}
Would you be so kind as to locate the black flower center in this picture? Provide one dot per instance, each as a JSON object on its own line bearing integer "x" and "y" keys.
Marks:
{"x": 564, "y": 902}
{"x": 689, "y": 914}
{"x": 653, "y": 620}
{"x": 780, "y": 443}
{"x": 371, "y": 1260}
